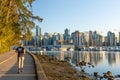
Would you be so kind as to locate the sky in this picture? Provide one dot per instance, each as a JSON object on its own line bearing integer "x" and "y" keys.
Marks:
{"x": 82, "y": 15}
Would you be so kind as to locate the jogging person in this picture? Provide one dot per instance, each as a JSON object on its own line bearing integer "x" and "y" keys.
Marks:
{"x": 21, "y": 52}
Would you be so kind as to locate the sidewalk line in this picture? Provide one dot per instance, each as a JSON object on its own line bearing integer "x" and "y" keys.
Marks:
{"x": 7, "y": 59}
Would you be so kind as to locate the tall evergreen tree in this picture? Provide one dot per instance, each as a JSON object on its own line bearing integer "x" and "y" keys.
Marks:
{"x": 16, "y": 18}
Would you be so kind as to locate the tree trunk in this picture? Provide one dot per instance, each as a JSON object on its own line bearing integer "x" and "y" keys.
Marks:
{"x": 8, "y": 13}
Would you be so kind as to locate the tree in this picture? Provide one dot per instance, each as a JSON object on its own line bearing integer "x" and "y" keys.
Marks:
{"x": 16, "y": 18}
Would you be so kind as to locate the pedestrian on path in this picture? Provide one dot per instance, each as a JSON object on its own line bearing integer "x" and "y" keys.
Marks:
{"x": 21, "y": 52}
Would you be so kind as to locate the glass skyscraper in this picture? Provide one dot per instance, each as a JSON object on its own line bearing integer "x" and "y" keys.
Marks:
{"x": 38, "y": 34}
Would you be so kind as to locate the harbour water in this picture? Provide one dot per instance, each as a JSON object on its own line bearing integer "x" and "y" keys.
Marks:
{"x": 103, "y": 61}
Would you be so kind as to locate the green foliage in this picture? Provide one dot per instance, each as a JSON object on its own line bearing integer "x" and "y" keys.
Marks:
{"x": 16, "y": 18}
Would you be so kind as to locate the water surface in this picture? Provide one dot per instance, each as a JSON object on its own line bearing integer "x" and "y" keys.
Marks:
{"x": 103, "y": 61}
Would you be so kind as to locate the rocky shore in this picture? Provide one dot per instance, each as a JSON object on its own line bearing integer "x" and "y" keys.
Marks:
{"x": 59, "y": 70}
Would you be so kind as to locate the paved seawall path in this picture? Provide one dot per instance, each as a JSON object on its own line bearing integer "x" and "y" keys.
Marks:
{"x": 8, "y": 67}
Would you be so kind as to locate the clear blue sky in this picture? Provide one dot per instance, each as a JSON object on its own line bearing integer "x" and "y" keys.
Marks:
{"x": 82, "y": 15}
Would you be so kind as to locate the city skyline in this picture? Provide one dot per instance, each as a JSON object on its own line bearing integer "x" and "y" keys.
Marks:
{"x": 99, "y": 32}
{"x": 83, "y": 15}
{"x": 77, "y": 38}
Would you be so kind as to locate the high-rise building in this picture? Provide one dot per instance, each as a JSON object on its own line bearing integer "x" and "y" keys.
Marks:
{"x": 99, "y": 42}
{"x": 102, "y": 40}
{"x": 86, "y": 38}
{"x": 73, "y": 37}
{"x": 111, "y": 38}
{"x": 38, "y": 33}
{"x": 61, "y": 39}
{"x": 76, "y": 38}
{"x": 90, "y": 38}
{"x": 96, "y": 39}
{"x": 106, "y": 41}
{"x": 67, "y": 36}
{"x": 79, "y": 39}
{"x": 47, "y": 39}
{"x": 55, "y": 38}
{"x": 114, "y": 40}
{"x": 119, "y": 38}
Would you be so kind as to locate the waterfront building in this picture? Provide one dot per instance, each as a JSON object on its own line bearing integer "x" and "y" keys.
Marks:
{"x": 108, "y": 37}
{"x": 90, "y": 39}
{"x": 93, "y": 39}
{"x": 34, "y": 39}
{"x": 41, "y": 40}
{"x": 96, "y": 39}
{"x": 111, "y": 38}
{"x": 99, "y": 42}
{"x": 73, "y": 38}
{"x": 80, "y": 39}
{"x": 106, "y": 41}
{"x": 47, "y": 40}
{"x": 66, "y": 36}
{"x": 55, "y": 38}
{"x": 116, "y": 40}
{"x": 38, "y": 33}
{"x": 86, "y": 38}
{"x": 61, "y": 39}
{"x": 30, "y": 42}
{"x": 102, "y": 40}
{"x": 76, "y": 38}
{"x": 119, "y": 38}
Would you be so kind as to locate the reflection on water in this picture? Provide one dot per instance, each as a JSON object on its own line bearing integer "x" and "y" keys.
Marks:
{"x": 103, "y": 61}
{"x": 97, "y": 58}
